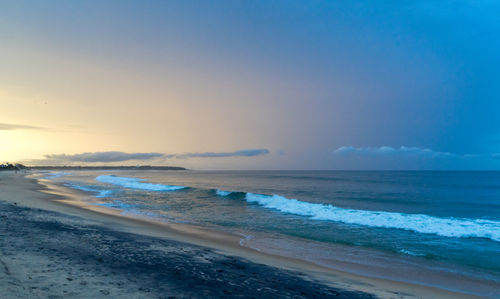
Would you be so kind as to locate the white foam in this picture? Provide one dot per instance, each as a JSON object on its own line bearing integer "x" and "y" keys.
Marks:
{"x": 100, "y": 193}
{"x": 222, "y": 192}
{"x": 136, "y": 183}
{"x": 104, "y": 193}
{"x": 448, "y": 227}
{"x": 408, "y": 252}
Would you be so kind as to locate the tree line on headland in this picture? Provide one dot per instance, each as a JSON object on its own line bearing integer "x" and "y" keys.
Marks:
{"x": 10, "y": 166}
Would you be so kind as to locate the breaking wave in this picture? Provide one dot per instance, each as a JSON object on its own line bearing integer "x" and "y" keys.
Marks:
{"x": 136, "y": 183}
{"x": 448, "y": 227}
{"x": 222, "y": 192}
{"x": 100, "y": 193}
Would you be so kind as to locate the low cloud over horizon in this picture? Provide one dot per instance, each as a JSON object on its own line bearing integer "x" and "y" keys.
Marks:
{"x": 406, "y": 151}
{"x": 112, "y": 156}
{"x": 239, "y": 153}
{"x": 118, "y": 156}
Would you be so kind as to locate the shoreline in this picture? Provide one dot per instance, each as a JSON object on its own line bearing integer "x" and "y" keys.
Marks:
{"x": 63, "y": 200}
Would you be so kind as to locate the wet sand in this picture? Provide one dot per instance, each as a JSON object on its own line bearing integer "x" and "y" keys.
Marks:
{"x": 54, "y": 247}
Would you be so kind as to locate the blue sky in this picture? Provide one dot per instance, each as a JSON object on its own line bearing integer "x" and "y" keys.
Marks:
{"x": 298, "y": 79}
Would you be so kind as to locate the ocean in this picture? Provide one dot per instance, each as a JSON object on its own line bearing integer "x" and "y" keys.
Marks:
{"x": 431, "y": 228}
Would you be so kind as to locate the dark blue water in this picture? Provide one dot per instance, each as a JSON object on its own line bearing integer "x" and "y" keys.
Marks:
{"x": 447, "y": 220}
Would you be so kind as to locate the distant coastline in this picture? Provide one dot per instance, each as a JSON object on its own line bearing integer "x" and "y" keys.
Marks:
{"x": 143, "y": 167}
{"x": 16, "y": 167}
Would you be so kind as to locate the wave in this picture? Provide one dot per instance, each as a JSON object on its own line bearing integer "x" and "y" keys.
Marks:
{"x": 136, "y": 183}
{"x": 117, "y": 204}
{"x": 222, "y": 192}
{"x": 237, "y": 195}
{"x": 409, "y": 252}
{"x": 55, "y": 175}
{"x": 131, "y": 209}
{"x": 448, "y": 227}
{"x": 100, "y": 193}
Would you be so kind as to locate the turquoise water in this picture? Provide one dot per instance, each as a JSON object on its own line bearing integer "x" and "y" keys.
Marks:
{"x": 449, "y": 221}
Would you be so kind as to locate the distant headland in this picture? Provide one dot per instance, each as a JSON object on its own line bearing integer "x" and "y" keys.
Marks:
{"x": 9, "y": 166}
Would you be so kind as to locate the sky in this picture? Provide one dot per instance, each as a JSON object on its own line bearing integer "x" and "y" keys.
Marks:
{"x": 313, "y": 85}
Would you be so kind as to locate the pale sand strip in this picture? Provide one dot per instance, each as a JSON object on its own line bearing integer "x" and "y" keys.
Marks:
{"x": 27, "y": 192}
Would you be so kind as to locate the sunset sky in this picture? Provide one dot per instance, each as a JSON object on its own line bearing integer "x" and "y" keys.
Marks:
{"x": 251, "y": 84}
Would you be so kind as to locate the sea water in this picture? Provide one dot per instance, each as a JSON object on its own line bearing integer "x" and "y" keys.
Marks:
{"x": 433, "y": 228}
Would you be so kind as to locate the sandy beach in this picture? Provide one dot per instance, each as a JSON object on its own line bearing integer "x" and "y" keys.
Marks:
{"x": 53, "y": 246}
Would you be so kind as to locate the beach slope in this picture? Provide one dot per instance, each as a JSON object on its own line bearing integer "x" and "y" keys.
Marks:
{"x": 49, "y": 254}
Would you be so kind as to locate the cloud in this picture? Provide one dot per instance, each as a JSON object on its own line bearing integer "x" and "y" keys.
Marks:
{"x": 116, "y": 156}
{"x": 10, "y": 127}
{"x": 103, "y": 157}
{"x": 391, "y": 151}
{"x": 406, "y": 151}
{"x": 240, "y": 153}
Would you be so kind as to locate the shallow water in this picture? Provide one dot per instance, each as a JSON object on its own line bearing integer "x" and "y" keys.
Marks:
{"x": 437, "y": 224}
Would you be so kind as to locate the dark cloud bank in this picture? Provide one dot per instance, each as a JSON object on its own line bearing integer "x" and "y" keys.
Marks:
{"x": 240, "y": 153}
{"x": 116, "y": 156}
{"x": 104, "y": 157}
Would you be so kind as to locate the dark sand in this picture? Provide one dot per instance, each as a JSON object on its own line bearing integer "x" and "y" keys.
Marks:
{"x": 82, "y": 260}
